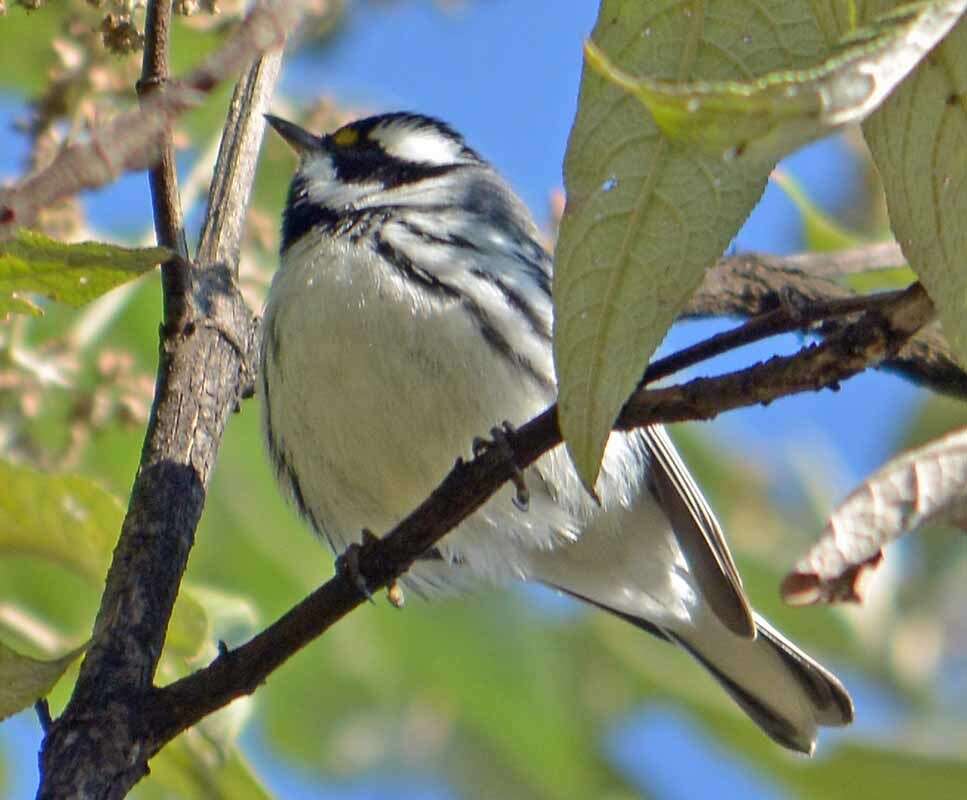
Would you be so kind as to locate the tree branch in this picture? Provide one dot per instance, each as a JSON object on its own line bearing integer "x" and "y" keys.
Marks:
{"x": 852, "y": 261}
{"x": 95, "y": 749}
{"x": 786, "y": 318}
{"x": 751, "y": 284}
{"x": 928, "y": 360}
{"x": 879, "y": 333}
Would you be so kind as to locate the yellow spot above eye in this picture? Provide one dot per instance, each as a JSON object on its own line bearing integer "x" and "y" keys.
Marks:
{"x": 346, "y": 137}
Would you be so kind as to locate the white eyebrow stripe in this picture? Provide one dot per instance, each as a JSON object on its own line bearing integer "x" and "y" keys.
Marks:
{"x": 418, "y": 145}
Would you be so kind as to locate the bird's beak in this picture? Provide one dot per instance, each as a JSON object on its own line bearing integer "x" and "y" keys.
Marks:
{"x": 299, "y": 139}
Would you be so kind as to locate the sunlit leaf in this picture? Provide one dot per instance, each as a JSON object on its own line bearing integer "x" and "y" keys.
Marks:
{"x": 24, "y": 680}
{"x": 887, "y": 771}
{"x": 68, "y": 273}
{"x": 203, "y": 619}
{"x": 780, "y": 111}
{"x": 822, "y": 232}
{"x": 923, "y": 486}
{"x": 917, "y": 140}
{"x": 877, "y": 280}
{"x": 206, "y": 615}
{"x": 25, "y": 630}
{"x": 190, "y": 628}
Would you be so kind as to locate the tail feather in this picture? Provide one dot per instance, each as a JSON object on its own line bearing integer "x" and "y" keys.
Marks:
{"x": 785, "y": 692}
{"x": 831, "y": 701}
{"x": 778, "y": 728}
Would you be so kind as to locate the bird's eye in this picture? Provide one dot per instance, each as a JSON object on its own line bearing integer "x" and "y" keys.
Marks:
{"x": 346, "y": 137}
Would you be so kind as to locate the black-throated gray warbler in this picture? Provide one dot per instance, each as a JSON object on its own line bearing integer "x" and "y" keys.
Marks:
{"x": 411, "y": 311}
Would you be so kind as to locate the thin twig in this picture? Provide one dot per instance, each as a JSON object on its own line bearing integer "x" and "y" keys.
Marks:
{"x": 163, "y": 176}
{"x": 234, "y": 673}
{"x": 783, "y": 319}
{"x": 221, "y": 235}
{"x": 43, "y": 714}
{"x": 168, "y": 222}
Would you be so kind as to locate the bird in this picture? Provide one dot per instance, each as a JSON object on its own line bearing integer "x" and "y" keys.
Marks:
{"x": 412, "y": 311}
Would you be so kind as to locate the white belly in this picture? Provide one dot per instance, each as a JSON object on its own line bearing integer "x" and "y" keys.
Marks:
{"x": 374, "y": 396}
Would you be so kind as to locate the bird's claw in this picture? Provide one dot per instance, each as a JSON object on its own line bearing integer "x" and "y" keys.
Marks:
{"x": 395, "y": 595}
{"x": 348, "y": 564}
{"x": 500, "y": 441}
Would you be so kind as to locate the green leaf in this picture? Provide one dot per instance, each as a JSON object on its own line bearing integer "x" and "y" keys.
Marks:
{"x": 887, "y": 772}
{"x": 822, "y": 232}
{"x": 66, "y": 519}
{"x": 646, "y": 215}
{"x": 24, "y": 680}
{"x": 879, "y": 280}
{"x": 780, "y": 111}
{"x": 189, "y": 630}
{"x": 190, "y": 770}
{"x": 25, "y": 66}
{"x": 68, "y": 273}
{"x": 71, "y": 521}
{"x": 919, "y": 140}
{"x": 654, "y": 199}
